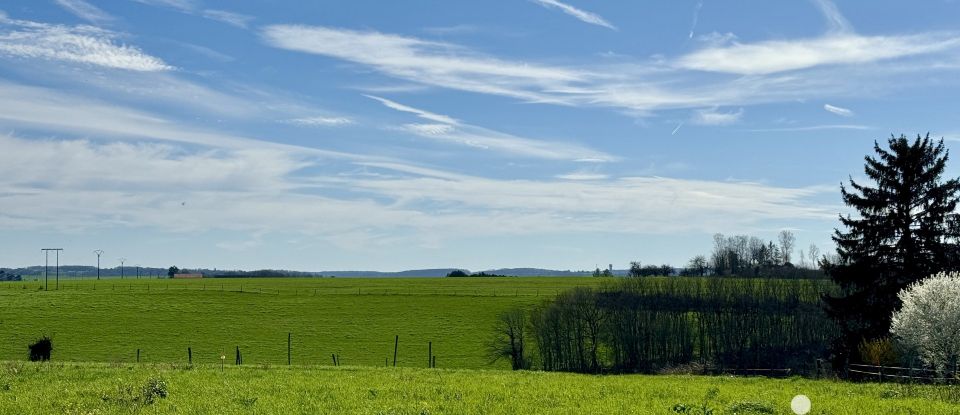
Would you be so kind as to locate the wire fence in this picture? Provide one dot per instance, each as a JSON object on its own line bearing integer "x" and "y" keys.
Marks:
{"x": 267, "y": 289}
{"x": 900, "y": 374}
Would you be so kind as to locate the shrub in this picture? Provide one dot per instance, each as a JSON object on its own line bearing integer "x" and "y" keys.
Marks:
{"x": 154, "y": 388}
{"x": 40, "y": 351}
{"x": 879, "y": 352}
{"x": 128, "y": 395}
{"x": 750, "y": 407}
{"x": 929, "y": 321}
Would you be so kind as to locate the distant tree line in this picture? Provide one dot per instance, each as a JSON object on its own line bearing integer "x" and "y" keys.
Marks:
{"x": 5, "y": 276}
{"x": 639, "y": 270}
{"x": 263, "y": 273}
{"x": 742, "y": 256}
{"x": 652, "y": 324}
{"x": 464, "y": 274}
{"x": 750, "y": 256}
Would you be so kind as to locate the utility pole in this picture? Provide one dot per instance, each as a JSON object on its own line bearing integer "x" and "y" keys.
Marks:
{"x": 138, "y": 271}
{"x": 98, "y": 252}
{"x": 122, "y": 260}
{"x": 46, "y": 267}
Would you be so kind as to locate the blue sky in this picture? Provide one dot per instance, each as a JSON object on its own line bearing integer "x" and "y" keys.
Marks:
{"x": 394, "y": 135}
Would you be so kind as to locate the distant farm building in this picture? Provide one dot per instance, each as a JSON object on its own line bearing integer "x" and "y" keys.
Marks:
{"x": 187, "y": 275}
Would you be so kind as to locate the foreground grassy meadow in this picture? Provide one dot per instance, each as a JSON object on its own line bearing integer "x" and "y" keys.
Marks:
{"x": 108, "y": 320}
{"x": 78, "y": 388}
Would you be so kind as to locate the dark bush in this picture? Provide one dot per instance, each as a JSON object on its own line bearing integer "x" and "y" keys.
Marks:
{"x": 40, "y": 351}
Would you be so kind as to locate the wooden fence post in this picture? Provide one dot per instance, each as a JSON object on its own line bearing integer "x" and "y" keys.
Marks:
{"x": 190, "y": 356}
{"x": 289, "y": 338}
{"x": 396, "y": 343}
{"x": 429, "y": 354}
{"x": 138, "y": 355}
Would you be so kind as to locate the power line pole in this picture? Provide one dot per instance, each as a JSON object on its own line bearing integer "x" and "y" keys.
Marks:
{"x": 46, "y": 267}
{"x": 98, "y": 252}
{"x": 122, "y": 260}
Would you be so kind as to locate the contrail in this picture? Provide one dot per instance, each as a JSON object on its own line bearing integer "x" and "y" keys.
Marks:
{"x": 696, "y": 16}
{"x": 834, "y": 18}
{"x": 676, "y": 129}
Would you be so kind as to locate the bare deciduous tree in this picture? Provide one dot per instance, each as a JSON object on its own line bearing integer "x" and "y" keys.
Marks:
{"x": 509, "y": 341}
{"x": 787, "y": 240}
{"x": 814, "y": 253}
{"x": 698, "y": 265}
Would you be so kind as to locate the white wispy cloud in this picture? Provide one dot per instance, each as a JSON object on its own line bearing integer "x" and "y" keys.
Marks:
{"x": 428, "y": 62}
{"x": 715, "y": 39}
{"x": 637, "y": 89}
{"x": 582, "y": 15}
{"x": 177, "y": 189}
{"x": 448, "y": 129}
{"x": 427, "y": 115}
{"x": 582, "y": 176}
{"x": 713, "y": 116}
{"x": 487, "y": 139}
{"x": 843, "y": 112}
{"x": 55, "y": 111}
{"x": 182, "y": 5}
{"x": 85, "y": 10}
{"x": 192, "y": 7}
{"x": 322, "y": 121}
{"x": 207, "y": 52}
{"x": 77, "y": 44}
{"x": 640, "y": 204}
{"x": 430, "y": 130}
{"x": 231, "y": 18}
{"x": 950, "y": 136}
{"x": 768, "y": 57}
{"x": 835, "y": 20}
{"x": 811, "y": 128}
{"x": 459, "y": 29}
{"x": 212, "y": 97}
{"x": 82, "y": 165}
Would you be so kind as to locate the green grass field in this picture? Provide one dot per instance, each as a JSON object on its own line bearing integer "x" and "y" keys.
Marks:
{"x": 30, "y": 388}
{"x": 108, "y": 320}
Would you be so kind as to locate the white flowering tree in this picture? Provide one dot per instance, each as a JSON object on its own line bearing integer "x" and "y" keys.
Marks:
{"x": 929, "y": 321}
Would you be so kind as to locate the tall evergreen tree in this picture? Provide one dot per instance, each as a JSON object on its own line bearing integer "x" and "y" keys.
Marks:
{"x": 905, "y": 230}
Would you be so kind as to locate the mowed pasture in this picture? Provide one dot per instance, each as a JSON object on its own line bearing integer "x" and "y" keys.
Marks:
{"x": 80, "y": 388}
{"x": 357, "y": 319}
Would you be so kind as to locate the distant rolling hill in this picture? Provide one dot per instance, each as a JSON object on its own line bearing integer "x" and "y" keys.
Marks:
{"x": 85, "y": 271}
